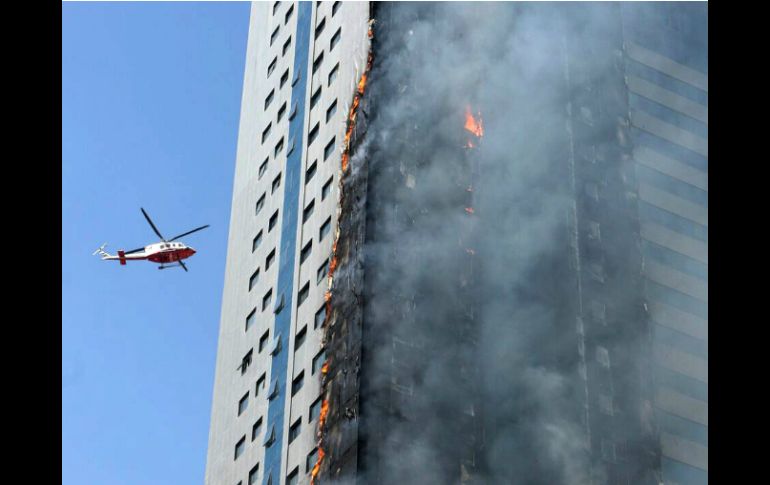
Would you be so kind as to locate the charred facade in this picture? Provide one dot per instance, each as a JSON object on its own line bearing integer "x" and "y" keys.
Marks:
{"x": 478, "y": 353}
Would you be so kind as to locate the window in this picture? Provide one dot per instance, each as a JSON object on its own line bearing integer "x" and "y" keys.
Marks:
{"x": 281, "y": 112}
{"x": 329, "y": 148}
{"x": 278, "y": 305}
{"x": 293, "y": 111}
{"x": 303, "y": 255}
{"x": 315, "y": 408}
{"x": 594, "y": 231}
{"x": 311, "y": 460}
{"x": 272, "y": 65}
{"x": 263, "y": 339}
{"x": 319, "y": 30}
{"x": 293, "y": 478}
{"x": 335, "y": 39}
{"x": 273, "y": 221}
{"x": 327, "y": 188}
{"x": 246, "y": 361}
{"x": 308, "y": 211}
{"x": 260, "y": 386}
{"x": 276, "y": 184}
{"x": 313, "y": 134}
{"x": 269, "y": 260}
{"x": 318, "y": 361}
{"x": 295, "y": 429}
{"x": 269, "y": 98}
{"x": 274, "y": 35}
{"x": 320, "y": 316}
{"x": 325, "y": 228}
{"x": 256, "y": 241}
{"x": 297, "y": 384}
{"x": 318, "y": 61}
{"x": 288, "y": 15}
{"x": 602, "y": 356}
{"x": 273, "y": 389}
{"x": 331, "y": 110}
{"x": 299, "y": 339}
{"x": 310, "y": 172}
{"x": 254, "y": 278}
{"x": 253, "y": 474}
{"x": 322, "y": 271}
{"x": 243, "y": 404}
{"x": 291, "y": 146}
{"x": 333, "y": 74}
{"x": 336, "y": 7}
{"x": 278, "y": 147}
{"x": 269, "y": 438}
{"x": 239, "y": 447}
{"x": 266, "y": 132}
{"x": 250, "y": 319}
{"x": 315, "y": 97}
{"x": 284, "y": 78}
{"x": 260, "y": 204}
{"x": 255, "y": 429}
{"x": 275, "y": 7}
{"x": 303, "y": 293}
{"x": 266, "y": 301}
{"x": 263, "y": 168}
{"x": 286, "y": 46}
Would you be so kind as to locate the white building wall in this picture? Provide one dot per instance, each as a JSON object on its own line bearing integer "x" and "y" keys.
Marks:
{"x": 230, "y": 385}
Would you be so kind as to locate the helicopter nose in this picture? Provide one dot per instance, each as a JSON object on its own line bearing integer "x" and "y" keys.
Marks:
{"x": 192, "y": 251}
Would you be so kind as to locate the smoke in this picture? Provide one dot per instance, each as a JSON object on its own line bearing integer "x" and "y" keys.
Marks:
{"x": 479, "y": 348}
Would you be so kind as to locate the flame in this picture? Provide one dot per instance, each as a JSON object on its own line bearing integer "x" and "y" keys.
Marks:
{"x": 344, "y": 163}
{"x": 475, "y": 127}
{"x": 469, "y": 210}
{"x": 322, "y": 416}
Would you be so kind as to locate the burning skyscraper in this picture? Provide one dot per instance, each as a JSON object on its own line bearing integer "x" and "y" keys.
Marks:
{"x": 499, "y": 272}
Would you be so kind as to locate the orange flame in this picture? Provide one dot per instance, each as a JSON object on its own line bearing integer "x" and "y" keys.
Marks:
{"x": 475, "y": 127}
{"x": 345, "y": 159}
{"x": 322, "y": 416}
{"x": 317, "y": 466}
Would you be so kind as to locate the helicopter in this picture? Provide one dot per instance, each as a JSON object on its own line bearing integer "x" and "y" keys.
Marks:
{"x": 166, "y": 252}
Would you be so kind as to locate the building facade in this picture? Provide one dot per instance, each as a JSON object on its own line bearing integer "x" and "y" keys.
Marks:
{"x": 302, "y": 64}
{"x": 518, "y": 246}
{"x": 666, "y": 62}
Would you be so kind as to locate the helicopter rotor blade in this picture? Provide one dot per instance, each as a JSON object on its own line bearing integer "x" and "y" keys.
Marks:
{"x": 133, "y": 251}
{"x": 188, "y": 232}
{"x": 153, "y": 225}
{"x": 184, "y": 266}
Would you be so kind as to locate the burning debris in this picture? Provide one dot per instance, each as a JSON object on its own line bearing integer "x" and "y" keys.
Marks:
{"x": 335, "y": 261}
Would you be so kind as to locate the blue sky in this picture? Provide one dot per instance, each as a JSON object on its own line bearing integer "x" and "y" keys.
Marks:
{"x": 150, "y": 105}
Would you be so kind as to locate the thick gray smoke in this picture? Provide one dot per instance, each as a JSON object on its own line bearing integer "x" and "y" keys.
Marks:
{"x": 471, "y": 362}
{"x": 476, "y": 366}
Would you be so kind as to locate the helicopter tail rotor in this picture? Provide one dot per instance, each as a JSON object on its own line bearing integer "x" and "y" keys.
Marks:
{"x": 100, "y": 250}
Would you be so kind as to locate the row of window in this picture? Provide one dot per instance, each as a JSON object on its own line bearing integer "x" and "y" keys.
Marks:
{"x": 320, "y": 358}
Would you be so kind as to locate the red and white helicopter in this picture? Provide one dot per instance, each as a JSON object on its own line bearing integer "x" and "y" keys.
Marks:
{"x": 164, "y": 252}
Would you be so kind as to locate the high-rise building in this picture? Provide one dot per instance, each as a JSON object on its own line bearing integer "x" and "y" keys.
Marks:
{"x": 303, "y": 61}
{"x": 504, "y": 273}
{"x": 666, "y": 63}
